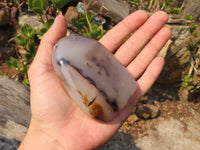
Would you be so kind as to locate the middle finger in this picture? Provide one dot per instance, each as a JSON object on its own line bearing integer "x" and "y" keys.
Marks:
{"x": 127, "y": 52}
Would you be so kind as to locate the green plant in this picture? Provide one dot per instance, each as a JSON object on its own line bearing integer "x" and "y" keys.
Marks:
{"x": 125, "y": 124}
{"x": 60, "y": 3}
{"x": 27, "y": 37}
{"x": 47, "y": 25}
{"x": 87, "y": 28}
{"x": 191, "y": 81}
{"x": 197, "y": 34}
{"x": 26, "y": 41}
{"x": 189, "y": 17}
{"x": 193, "y": 27}
{"x": 85, "y": 23}
{"x": 38, "y": 6}
{"x": 167, "y": 3}
{"x": 5, "y": 76}
{"x": 188, "y": 82}
{"x": 174, "y": 10}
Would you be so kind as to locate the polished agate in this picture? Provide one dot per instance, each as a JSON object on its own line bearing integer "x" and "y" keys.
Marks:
{"x": 92, "y": 76}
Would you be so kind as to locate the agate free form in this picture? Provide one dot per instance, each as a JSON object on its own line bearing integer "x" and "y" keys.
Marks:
{"x": 92, "y": 76}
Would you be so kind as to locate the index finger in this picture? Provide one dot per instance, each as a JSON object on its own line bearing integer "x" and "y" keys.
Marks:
{"x": 113, "y": 38}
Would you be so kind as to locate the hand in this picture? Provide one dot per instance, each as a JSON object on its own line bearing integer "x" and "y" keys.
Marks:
{"x": 56, "y": 122}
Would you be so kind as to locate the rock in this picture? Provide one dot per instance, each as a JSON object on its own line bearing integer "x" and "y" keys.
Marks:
{"x": 165, "y": 49}
{"x": 170, "y": 134}
{"x": 31, "y": 19}
{"x": 8, "y": 144}
{"x": 98, "y": 19}
{"x": 92, "y": 76}
{"x": 4, "y": 16}
{"x": 11, "y": 129}
{"x": 120, "y": 141}
{"x": 132, "y": 118}
{"x": 193, "y": 5}
{"x": 14, "y": 109}
{"x": 155, "y": 112}
{"x": 70, "y": 14}
{"x": 183, "y": 94}
{"x": 147, "y": 111}
{"x": 114, "y": 9}
{"x": 180, "y": 34}
{"x": 143, "y": 112}
{"x": 178, "y": 56}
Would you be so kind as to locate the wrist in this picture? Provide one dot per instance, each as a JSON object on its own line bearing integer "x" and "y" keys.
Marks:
{"x": 37, "y": 138}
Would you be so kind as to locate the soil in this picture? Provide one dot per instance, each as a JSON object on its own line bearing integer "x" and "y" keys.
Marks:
{"x": 179, "y": 110}
{"x": 4, "y": 69}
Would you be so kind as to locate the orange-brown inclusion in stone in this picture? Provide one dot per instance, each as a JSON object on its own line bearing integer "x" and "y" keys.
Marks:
{"x": 96, "y": 111}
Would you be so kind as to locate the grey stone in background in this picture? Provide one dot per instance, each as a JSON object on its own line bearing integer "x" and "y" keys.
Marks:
{"x": 15, "y": 104}
{"x": 31, "y": 19}
{"x": 14, "y": 109}
{"x": 8, "y": 144}
{"x": 147, "y": 111}
{"x": 193, "y": 5}
{"x": 177, "y": 55}
{"x": 15, "y": 118}
{"x": 171, "y": 134}
{"x": 115, "y": 9}
{"x": 120, "y": 141}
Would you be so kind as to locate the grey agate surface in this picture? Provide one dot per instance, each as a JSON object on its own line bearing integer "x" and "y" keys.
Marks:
{"x": 92, "y": 76}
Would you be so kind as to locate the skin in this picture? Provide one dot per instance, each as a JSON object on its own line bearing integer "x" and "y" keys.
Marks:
{"x": 56, "y": 122}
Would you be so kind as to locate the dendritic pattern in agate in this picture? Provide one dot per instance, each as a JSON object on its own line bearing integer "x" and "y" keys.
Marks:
{"x": 92, "y": 76}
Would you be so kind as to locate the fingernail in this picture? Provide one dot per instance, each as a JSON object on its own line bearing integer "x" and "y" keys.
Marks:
{"x": 57, "y": 17}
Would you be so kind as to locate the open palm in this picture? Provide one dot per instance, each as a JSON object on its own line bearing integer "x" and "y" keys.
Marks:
{"x": 56, "y": 120}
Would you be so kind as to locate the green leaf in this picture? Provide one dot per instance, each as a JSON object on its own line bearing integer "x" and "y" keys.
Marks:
{"x": 21, "y": 40}
{"x": 174, "y": 10}
{"x": 190, "y": 87}
{"x": 47, "y": 25}
{"x": 89, "y": 29}
{"x": 167, "y": 2}
{"x": 37, "y": 6}
{"x": 197, "y": 34}
{"x": 30, "y": 2}
{"x": 8, "y": 63}
{"x": 60, "y": 3}
{"x": 31, "y": 48}
{"x": 12, "y": 63}
{"x": 193, "y": 27}
{"x": 28, "y": 31}
{"x": 189, "y": 17}
{"x": 183, "y": 84}
{"x": 25, "y": 82}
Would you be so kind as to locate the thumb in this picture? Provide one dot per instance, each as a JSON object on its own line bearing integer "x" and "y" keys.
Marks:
{"x": 56, "y": 31}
